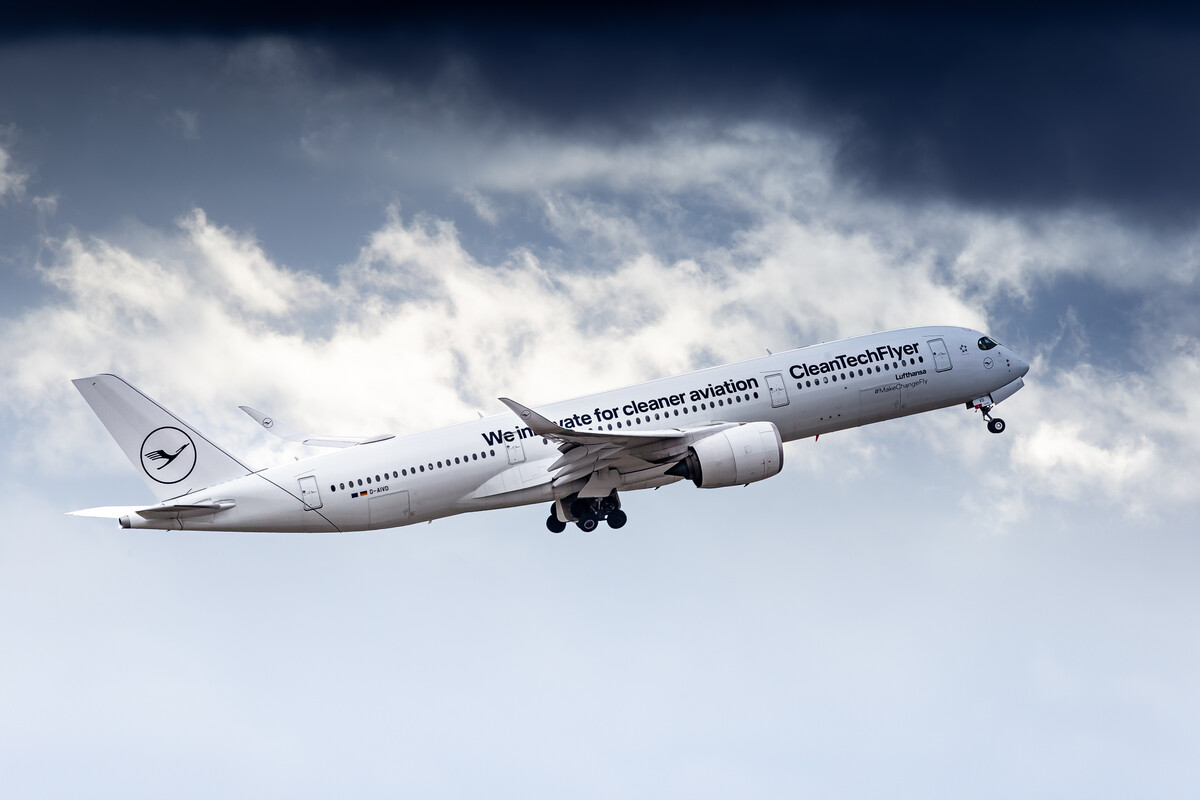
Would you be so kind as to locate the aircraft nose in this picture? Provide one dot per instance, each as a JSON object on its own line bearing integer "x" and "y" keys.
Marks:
{"x": 1022, "y": 366}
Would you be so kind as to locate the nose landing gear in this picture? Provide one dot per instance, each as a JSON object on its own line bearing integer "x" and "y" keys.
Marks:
{"x": 994, "y": 425}
{"x": 587, "y": 513}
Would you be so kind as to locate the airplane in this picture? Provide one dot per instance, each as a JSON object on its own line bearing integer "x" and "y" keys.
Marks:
{"x": 718, "y": 427}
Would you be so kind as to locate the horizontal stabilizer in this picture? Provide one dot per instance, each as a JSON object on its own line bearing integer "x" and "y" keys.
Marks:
{"x": 105, "y": 512}
{"x": 155, "y": 512}
{"x": 188, "y": 510}
{"x": 276, "y": 427}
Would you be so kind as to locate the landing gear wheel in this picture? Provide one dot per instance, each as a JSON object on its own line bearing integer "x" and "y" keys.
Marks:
{"x": 996, "y": 425}
{"x": 587, "y": 524}
{"x": 617, "y": 519}
{"x": 555, "y": 525}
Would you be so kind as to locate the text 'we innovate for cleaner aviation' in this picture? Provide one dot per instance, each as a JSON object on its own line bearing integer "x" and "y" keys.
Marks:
{"x": 723, "y": 426}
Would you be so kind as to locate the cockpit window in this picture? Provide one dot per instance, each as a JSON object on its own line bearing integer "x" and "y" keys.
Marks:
{"x": 986, "y": 343}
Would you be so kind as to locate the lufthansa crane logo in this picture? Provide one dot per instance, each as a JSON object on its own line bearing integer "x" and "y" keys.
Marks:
{"x": 168, "y": 455}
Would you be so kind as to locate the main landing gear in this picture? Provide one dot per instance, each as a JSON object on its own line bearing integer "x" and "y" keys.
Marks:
{"x": 587, "y": 513}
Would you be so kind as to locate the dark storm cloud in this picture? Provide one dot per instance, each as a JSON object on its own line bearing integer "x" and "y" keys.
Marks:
{"x": 1008, "y": 113}
{"x": 1047, "y": 110}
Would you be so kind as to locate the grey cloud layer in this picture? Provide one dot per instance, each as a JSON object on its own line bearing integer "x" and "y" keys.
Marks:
{"x": 798, "y": 260}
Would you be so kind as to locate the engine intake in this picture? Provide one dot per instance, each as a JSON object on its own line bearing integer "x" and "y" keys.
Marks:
{"x": 733, "y": 457}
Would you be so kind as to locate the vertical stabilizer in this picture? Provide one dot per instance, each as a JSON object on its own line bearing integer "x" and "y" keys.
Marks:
{"x": 170, "y": 455}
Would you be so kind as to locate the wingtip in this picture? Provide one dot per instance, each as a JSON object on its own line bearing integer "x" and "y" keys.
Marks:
{"x": 514, "y": 406}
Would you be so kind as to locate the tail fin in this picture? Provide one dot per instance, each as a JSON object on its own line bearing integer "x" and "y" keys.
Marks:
{"x": 170, "y": 455}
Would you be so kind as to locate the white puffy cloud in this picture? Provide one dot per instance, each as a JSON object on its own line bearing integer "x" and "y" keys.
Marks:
{"x": 1108, "y": 436}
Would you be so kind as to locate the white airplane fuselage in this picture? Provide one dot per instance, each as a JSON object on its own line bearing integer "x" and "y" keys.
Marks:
{"x": 499, "y": 461}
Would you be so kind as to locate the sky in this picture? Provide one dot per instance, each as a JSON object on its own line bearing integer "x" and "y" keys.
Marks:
{"x": 382, "y": 224}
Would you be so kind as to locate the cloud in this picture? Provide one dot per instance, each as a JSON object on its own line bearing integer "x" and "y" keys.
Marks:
{"x": 186, "y": 122}
{"x": 641, "y": 268}
{"x": 415, "y": 331}
{"x": 12, "y": 177}
{"x": 1107, "y": 435}
{"x": 46, "y": 206}
{"x": 480, "y": 204}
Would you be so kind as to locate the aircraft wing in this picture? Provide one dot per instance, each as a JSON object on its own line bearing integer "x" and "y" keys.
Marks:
{"x": 592, "y": 454}
{"x": 276, "y": 427}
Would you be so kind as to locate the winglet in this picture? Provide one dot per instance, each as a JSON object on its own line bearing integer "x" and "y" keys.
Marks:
{"x": 272, "y": 425}
{"x": 536, "y": 422}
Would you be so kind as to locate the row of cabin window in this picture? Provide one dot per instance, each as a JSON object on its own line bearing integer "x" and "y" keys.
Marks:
{"x": 481, "y": 454}
{"x": 702, "y": 407}
{"x": 413, "y": 470}
{"x": 903, "y": 363}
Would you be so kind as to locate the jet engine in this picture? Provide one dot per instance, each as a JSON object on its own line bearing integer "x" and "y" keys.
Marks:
{"x": 733, "y": 457}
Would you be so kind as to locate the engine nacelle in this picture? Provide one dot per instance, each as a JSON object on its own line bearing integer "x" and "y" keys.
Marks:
{"x": 733, "y": 457}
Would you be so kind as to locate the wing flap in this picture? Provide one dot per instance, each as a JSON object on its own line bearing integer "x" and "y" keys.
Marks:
{"x": 590, "y": 454}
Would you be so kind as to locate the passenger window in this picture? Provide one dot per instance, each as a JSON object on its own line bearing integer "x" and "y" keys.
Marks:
{"x": 368, "y": 480}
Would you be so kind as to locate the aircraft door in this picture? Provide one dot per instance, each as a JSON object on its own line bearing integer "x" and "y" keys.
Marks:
{"x": 516, "y": 451}
{"x": 310, "y": 495}
{"x": 778, "y": 391}
{"x": 941, "y": 358}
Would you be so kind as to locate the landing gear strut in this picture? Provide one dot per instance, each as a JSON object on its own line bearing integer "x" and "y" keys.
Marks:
{"x": 587, "y": 513}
